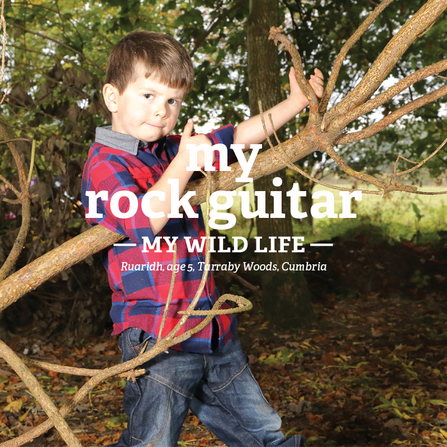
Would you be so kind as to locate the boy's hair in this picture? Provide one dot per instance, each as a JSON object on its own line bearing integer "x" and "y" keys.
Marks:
{"x": 158, "y": 53}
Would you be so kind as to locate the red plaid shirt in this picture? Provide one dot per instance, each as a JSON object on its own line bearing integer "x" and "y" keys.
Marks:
{"x": 140, "y": 280}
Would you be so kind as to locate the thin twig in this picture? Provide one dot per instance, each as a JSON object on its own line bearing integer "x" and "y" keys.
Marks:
{"x": 403, "y": 158}
{"x": 418, "y": 165}
{"x": 199, "y": 291}
{"x": 31, "y": 165}
{"x": 292, "y": 166}
{"x": 10, "y": 186}
{"x": 25, "y": 200}
{"x": 171, "y": 289}
{"x": 67, "y": 369}
{"x": 14, "y": 139}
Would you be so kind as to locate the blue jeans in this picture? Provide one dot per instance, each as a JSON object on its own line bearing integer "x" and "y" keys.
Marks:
{"x": 219, "y": 388}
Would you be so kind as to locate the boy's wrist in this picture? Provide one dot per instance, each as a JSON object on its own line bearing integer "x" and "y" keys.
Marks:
{"x": 182, "y": 158}
{"x": 298, "y": 102}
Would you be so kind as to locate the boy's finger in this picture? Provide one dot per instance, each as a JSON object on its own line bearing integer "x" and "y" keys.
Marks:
{"x": 317, "y": 81}
{"x": 318, "y": 73}
{"x": 188, "y": 129}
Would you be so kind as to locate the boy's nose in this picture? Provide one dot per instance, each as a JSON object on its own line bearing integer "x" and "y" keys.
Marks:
{"x": 160, "y": 109}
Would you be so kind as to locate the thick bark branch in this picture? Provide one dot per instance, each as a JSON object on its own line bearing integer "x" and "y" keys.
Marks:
{"x": 54, "y": 262}
{"x": 344, "y": 51}
{"x": 391, "y": 93}
{"x": 393, "y": 51}
{"x": 45, "y": 401}
{"x": 98, "y": 238}
{"x": 392, "y": 117}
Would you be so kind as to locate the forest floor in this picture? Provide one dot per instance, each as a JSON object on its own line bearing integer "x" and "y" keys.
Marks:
{"x": 372, "y": 371}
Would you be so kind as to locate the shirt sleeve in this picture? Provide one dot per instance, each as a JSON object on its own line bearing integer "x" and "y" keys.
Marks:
{"x": 112, "y": 175}
{"x": 223, "y": 135}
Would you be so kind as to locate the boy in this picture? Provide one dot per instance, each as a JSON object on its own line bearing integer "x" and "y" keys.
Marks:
{"x": 148, "y": 75}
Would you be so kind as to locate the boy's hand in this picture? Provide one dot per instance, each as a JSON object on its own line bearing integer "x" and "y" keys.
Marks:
{"x": 188, "y": 138}
{"x": 316, "y": 81}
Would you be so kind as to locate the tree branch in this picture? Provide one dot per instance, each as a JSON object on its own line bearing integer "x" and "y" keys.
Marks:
{"x": 45, "y": 401}
{"x": 344, "y": 51}
{"x": 45, "y": 267}
{"x": 295, "y": 168}
{"x": 25, "y": 200}
{"x": 418, "y": 165}
{"x": 403, "y": 84}
{"x": 392, "y": 52}
{"x": 392, "y": 117}
{"x": 277, "y": 36}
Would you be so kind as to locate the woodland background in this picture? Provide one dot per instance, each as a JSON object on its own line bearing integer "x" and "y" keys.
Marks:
{"x": 364, "y": 365}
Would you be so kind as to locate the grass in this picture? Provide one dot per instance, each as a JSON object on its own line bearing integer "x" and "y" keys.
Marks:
{"x": 400, "y": 216}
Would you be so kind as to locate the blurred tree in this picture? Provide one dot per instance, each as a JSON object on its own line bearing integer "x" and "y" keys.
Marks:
{"x": 285, "y": 297}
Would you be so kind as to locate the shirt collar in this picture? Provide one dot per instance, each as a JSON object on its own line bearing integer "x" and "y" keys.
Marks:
{"x": 117, "y": 140}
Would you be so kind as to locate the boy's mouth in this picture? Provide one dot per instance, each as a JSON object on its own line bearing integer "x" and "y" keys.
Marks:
{"x": 158, "y": 126}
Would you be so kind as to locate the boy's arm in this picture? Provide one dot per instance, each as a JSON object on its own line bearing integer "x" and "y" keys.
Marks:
{"x": 251, "y": 131}
{"x": 112, "y": 176}
{"x": 175, "y": 170}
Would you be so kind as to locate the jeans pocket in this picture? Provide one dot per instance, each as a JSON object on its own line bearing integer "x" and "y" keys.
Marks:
{"x": 132, "y": 341}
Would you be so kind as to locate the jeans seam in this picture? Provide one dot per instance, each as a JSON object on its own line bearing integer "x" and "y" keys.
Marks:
{"x": 151, "y": 377}
{"x": 231, "y": 413}
{"x": 129, "y": 344}
{"x": 150, "y": 441}
{"x": 230, "y": 380}
{"x": 133, "y": 409}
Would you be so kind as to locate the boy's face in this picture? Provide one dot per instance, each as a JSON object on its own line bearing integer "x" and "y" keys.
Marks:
{"x": 147, "y": 110}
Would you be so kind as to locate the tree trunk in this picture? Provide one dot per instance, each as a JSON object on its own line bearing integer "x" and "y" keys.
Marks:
{"x": 286, "y": 299}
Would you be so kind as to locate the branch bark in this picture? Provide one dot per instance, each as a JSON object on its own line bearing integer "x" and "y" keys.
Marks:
{"x": 392, "y": 117}
{"x": 392, "y": 52}
{"x": 44, "y": 400}
{"x": 24, "y": 198}
{"x": 381, "y": 99}
{"x": 97, "y": 238}
{"x": 276, "y": 36}
{"x": 344, "y": 51}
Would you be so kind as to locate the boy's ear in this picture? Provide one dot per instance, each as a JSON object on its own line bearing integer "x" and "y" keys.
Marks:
{"x": 110, "y": 94}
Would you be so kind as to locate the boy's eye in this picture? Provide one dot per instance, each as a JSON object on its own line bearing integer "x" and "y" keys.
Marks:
{"x": 148, "y": 95}
{"x": 172, "y": 102}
